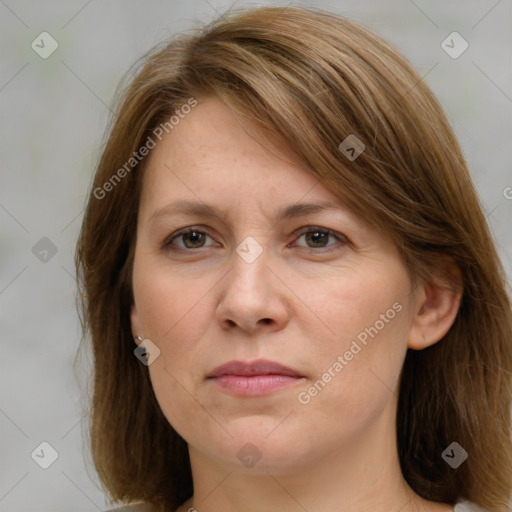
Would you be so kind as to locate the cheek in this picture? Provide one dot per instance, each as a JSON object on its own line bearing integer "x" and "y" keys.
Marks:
{"x": 359, "y": 315}
{"x": 177, "y": 404}
{"x": 171, "y": 306}
{"x": 365, "y": 322}
{"x": 359, "y": 304}
{"x": 173, "y": 313}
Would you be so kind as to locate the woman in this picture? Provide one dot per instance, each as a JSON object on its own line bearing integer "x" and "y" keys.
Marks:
{"x": 292, "y": 294}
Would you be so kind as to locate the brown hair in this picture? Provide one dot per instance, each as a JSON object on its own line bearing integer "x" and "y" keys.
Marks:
{"x": 314, "y": 78}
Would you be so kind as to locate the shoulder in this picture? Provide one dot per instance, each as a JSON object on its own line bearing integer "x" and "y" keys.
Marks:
{"x": 467, "y": 506}
{"x": 139, "y": 507}
{"x": 146, "y": 507}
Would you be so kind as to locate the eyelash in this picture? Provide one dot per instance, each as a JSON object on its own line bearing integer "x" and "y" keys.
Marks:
{"x": 168, "y": 245}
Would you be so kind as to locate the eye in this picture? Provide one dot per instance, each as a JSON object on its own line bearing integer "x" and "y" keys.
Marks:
{"x": 193, "y": 239}
{"x": 318, "y": 237}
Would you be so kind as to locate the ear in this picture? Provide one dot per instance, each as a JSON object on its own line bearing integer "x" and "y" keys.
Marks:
{"x": 137, "y": 329}
{"x": 436, "y": 308}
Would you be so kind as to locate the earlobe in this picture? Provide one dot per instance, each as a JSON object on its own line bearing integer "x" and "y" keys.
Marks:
{"x": 437, "y": 309}
{"x": 135, "y": 323}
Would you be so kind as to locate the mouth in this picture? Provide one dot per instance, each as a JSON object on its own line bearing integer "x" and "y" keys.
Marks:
{"x": 254, "y": 378}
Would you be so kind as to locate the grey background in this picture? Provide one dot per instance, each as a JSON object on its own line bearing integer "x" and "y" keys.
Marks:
{"x": 53, "y": 116}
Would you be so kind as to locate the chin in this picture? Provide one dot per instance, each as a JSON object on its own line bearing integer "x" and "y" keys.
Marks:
{"x": 259, "y": 448}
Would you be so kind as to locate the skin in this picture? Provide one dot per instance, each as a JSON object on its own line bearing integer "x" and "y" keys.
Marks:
{"x": 204, "y": 305}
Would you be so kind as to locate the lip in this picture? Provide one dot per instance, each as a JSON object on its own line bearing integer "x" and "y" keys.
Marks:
{"x": 255, "y": 378}
{"x": 250, "y": 369}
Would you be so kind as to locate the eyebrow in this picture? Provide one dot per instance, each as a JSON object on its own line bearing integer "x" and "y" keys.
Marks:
{"x": 205, "y": 210}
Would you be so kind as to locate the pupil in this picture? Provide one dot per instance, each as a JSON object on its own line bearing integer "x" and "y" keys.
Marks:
{"x": 317, "y": 234}
{"x": 194, "y": 235}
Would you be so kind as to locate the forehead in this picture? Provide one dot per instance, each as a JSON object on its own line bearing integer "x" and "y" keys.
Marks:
{"x": 213, "y": 155}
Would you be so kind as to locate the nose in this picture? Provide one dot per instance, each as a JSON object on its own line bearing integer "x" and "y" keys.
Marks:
{"x": 254, "y": 297}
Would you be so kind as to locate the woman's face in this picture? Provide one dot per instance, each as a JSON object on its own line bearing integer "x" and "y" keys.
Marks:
{"x": 317, "y": 291}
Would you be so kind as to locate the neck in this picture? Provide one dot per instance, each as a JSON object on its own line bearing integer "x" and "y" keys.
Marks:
{"x": 360, "y": 476}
